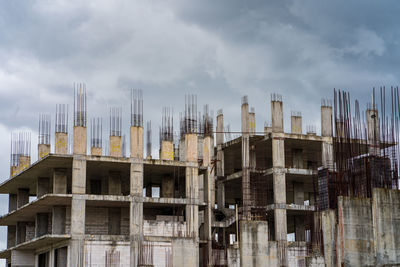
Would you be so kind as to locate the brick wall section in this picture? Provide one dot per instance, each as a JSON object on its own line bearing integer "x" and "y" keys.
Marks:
{"x": 30, "y": 231}
{"x": 96, "y": 221}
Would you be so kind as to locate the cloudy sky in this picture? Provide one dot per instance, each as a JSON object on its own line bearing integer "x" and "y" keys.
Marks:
{"x": 218, "y": 50}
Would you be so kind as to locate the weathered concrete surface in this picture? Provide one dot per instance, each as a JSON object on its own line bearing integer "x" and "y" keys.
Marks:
{"x": 185, "y": 253}
{"x": 136, "y": 143}
{"x": 106, "y": 253}
{"x": 23, "y": 258}
{"x": 386, "y": 214}
{"x": 79, "y": 175}
{"x": 233, "y": 255}
{"x": 80, "y": 140}
{"x": 167, "y": 150}
{"x": 167, "y": 186}
{"x": 114, "y": 183}
{"x": 329, "y": 229}
{"x": 326, "y": 121}
{"x": 315, "y": 261}
{"x": 191, "y": 147}
{"x": 355, "y": 232}
{"x": 43, "y": 150}
{"x": 296, "y": 124}
{"x": 96, "y": 151}
{"x": 43, "y": 186}
{"x": 22, "y": 197}
{"x": 58, "y": 220}
{"x": 61, "y": 143}
{"x": 254, "y": 249}
{"x": 60, "y": 181}
{"x": 116, "y": 146}
{"x": 296, "y": 253}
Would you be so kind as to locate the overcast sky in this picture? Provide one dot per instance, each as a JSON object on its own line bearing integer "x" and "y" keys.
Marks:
{"x": 219, "y": 50}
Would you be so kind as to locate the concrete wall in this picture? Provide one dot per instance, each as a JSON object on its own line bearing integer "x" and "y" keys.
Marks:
{"x": 254, "y": 249}
{"x": 185, "y": 253}
{"x": 297, "y": 253}
{"x": 164, "y": 228}
{"x": 233, "y": 257}
{"x": 355, "y": 232}
{"x": 329, "y": 231}
{"x": 386, "y": 214}
{"x": 106, "y": 253}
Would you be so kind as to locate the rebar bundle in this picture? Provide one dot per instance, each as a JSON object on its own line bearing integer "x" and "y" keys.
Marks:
{"x": 44, "y": 129}
{"x": 96, "y": 132}
{"x": 20, "y": 146}
{"x": 61, "y": 123}
{"x": 80, "y": 109}
{"x": 167, "y": 125}
{"x": 189, "y": 120}
{"x": 115, "y": 121}
{"x": 136, "y": 108}
{"x": 207, "y": 126}
{"x": 148, "y": 139}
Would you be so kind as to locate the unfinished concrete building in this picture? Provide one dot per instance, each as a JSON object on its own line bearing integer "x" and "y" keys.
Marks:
{"x": 259, "y": 199}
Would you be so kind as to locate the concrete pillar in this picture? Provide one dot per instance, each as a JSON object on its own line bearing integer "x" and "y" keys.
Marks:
{"x": 78, "y": 211}
{"x": 136, "y": 212}
{"x": 22, "y": 197}
{"x": 326, "y": 121}
{"x": 11, "y": 236}
{"x": 114, "y": 221}
{"x": 192, "y": 186}
{"x": 114, "y": 183}
{"x": 42, "y": 224}
{"x": 79, "y": 175}
{"x": 221, "y": 194}
{"x": 58, "y": 220}
{"x": 43, "y": 150}
{"x": 80, "y": 140}
{"x": 298, "y": 193}
{"x": 24, "y": 163}
{"x": 220, "y": 141}
{"x": 167, "y": 186}
{"x": 61, "y": 143}
{"x": 373, "y": 131}
{"x": 136, "y": 142}
{"x": 245, "y": 159}
{"x": 279, "y": 179}
{"x": 252, "y": 122}
{"x": 208, "y": 212}
{"x": 254, "y": 248}
{"x": 21, "y": 232}
{"x": 296, "y": 123}
{"x": 60, "y": 181}
{"x": 96, "y": 151}
{"x": 116, "y": 146}
{"x": 326, "y": 133}
{"x": 182, "y": 153}
{"x": 208, "y": 155}
{"x": 277, "y": 116}
{"x": 12, "y": 202}
{"x": 167, "y": 150}
{"x": 43, "y": 186}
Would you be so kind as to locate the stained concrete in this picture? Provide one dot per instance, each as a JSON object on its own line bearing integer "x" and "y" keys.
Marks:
{"x": 185, "y": 253}
{"x": 61, "y": 143}
{"x": 136, "y": 142}
{"x": 254, "y": 249}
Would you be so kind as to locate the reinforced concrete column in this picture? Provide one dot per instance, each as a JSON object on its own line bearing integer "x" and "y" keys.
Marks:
{"x": 192, "y": 186}
{"x": 373, "y": 131}
{"x": 245, "y": 160}
{"x": 114, "y": 183}
{"x": 11, "y": 229}
{"x": 326, "y": 133}
{"x": 80, "y": 140}
{"x": 136, "y": 211}
{"x": 43, "y": 186}
{"x": 296, "y": 123}
{"x": 60, "y": 181}
{"x": 115, "y": 146}
{"x": 279, "y": 178}
{"x": 220, "y": 159}
{"x": 58, "y": 220}
{"x": 43, "y": 150}
{"x": 136, "y": 142}
{"x": 167, "y": 150}
{"x": 22, "y": 197}
{"x": 61, "y": 143}
{"x": 78, "y": 211}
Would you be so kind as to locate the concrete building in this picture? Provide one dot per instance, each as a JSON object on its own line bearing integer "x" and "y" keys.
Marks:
{"x": 250, "y": 201}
